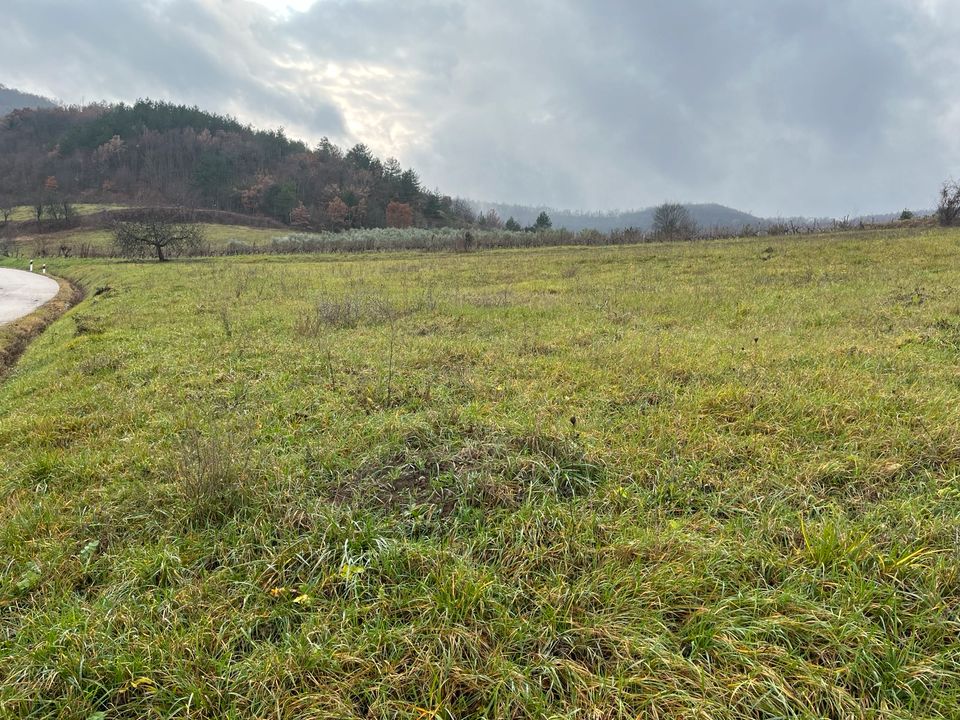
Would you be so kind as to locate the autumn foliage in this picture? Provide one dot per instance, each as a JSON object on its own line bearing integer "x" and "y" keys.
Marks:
{"x": 399, "y": 215}
{"x": 337, "y": 213}
{"x": 300, "y": 217}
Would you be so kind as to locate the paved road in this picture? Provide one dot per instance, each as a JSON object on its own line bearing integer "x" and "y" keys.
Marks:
{"x": 23, "y": 292}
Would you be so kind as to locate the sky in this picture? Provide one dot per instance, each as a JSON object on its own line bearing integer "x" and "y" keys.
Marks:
{"x": 776, "y": 107}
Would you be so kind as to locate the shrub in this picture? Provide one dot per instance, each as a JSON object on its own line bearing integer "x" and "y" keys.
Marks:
{"x": 948, "y": 209}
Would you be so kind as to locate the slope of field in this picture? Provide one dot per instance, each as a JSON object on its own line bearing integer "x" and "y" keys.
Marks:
{"x": 101, "y": 241}
{"x": 713, "y": 480}
{"x": 26, "y": 212}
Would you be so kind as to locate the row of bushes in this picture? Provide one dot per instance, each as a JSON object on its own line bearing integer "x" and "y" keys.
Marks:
{"x": 444, "y": 239}
{"x": 452, "y": 239}
{"x": 370, "y": 239}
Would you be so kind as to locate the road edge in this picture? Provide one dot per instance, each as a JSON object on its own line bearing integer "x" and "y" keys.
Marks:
{"x": 17, "y": 335}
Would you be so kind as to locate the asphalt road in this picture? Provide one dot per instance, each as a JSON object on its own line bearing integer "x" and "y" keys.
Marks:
{"x": 23, "y": 292}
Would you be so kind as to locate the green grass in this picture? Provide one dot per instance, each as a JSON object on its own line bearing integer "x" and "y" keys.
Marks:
{"x": 341, "y": 487}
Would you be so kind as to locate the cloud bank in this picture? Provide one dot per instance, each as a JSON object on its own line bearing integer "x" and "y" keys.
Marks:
{"x": 773, "y": 106}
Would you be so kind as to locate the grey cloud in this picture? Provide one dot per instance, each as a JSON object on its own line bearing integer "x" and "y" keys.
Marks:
{"x": 179, "y": 49}
{"x": 773, "y": 106}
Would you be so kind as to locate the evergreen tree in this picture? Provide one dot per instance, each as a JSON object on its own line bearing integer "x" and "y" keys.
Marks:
{"x": 543, "y": 222}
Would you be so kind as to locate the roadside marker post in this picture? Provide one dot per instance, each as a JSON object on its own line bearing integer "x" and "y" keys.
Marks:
{"x": 31, "y": 266}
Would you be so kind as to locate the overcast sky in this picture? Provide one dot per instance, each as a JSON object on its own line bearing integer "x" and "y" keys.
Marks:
{"x": 779, "y": 107}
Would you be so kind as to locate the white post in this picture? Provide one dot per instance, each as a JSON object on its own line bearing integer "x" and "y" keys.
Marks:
{"x": 31, "y": 266}
{"x": 44, "y": 268}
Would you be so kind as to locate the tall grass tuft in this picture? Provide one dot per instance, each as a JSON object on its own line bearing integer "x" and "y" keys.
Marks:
{"x": 213, "y": 476}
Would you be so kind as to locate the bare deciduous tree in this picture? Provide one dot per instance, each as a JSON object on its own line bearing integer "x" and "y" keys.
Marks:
{"x": 60, "y": 211}
{"x": 948, "y": 209}
{"x": 490, "y": 220}
{"x": 672, "y": 221}
{"x": 162, "y": 235}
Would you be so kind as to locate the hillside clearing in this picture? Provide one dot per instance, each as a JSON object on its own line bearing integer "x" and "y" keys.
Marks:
{"x": 714, "y": 480}
{"x": 101, "y": 241}
{"x": 21, "y": 213}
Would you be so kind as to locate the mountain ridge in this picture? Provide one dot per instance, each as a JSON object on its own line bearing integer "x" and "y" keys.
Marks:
{"x": 12, "y": 99}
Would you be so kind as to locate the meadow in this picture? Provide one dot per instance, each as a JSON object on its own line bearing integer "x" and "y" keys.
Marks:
{"x": 21, "y": 213}
{"x": 101, "y": 242}
{"x": 687, "y": 480}
{"x": 220, "y": 239}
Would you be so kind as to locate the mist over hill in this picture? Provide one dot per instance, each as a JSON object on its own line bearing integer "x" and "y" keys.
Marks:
{"x": 707, "y": 216}
{"x": 12, "y": 99}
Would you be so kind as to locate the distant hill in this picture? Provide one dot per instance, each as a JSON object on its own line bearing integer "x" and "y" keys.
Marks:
{"x": 11, "y": 100}
{"x": 706, "y": 215}
{"x": 159, "y": 153}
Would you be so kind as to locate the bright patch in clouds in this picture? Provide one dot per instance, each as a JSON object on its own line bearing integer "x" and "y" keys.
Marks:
{"x": 284, "y": 7}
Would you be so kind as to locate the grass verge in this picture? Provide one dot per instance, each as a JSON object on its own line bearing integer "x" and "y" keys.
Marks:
{"x": 15, "y": 336}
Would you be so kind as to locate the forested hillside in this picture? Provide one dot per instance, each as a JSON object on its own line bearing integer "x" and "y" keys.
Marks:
{"x": 160, "y": 153}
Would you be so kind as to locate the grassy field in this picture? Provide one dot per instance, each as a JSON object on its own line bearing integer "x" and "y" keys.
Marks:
{"x": 101, "y": 242}
{"x": 241, "y": 240}
{"x": 708, "y": 480}
{"x": 28, "y": 212}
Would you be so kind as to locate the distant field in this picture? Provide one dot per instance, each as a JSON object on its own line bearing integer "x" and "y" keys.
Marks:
{"x": 102, "y": 241}
{"x": 237, "y": 239}
{"x": 26, "y": 212}
{"x": 700, "y": 480}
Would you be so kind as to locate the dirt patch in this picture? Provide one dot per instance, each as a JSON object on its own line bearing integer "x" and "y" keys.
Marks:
{"x": 400, "y": 481}
{"x": 490, "y": 472}
{"x": 15, "y": 336}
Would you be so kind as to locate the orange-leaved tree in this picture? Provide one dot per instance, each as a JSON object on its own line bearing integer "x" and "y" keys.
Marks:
{"x": 337, "y": 213}
{"x": 399, "y": 215}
